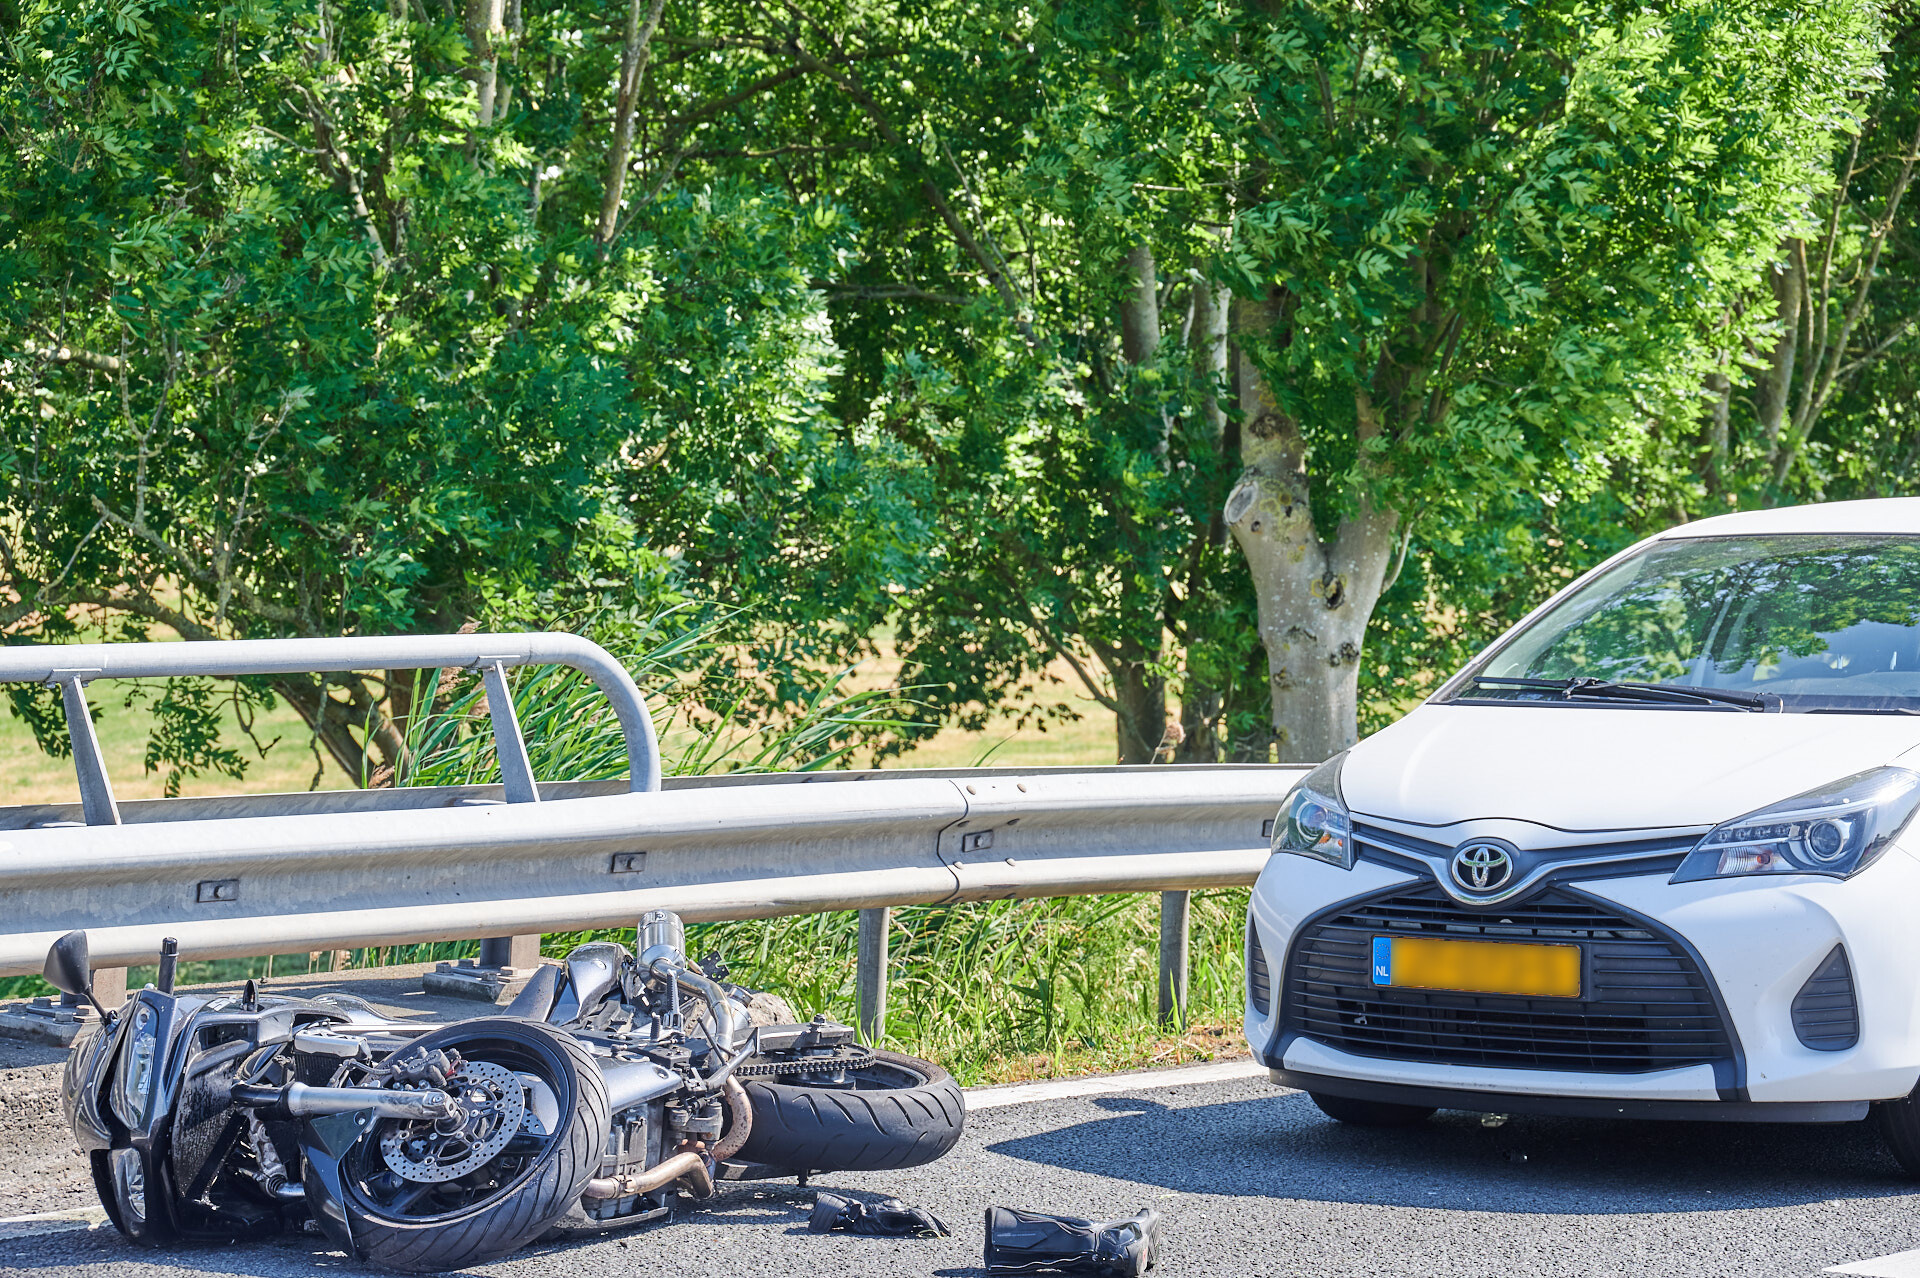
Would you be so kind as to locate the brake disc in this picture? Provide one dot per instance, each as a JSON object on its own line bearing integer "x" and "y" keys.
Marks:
{"x": 495, "y": 1103}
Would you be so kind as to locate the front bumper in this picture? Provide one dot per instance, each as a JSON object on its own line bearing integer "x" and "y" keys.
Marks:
{"x": 1756, "y": 943}
{"x": 1487, "y": 1102}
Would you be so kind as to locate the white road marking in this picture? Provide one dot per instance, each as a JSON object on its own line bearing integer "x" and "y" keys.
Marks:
{"x": 51, "y": 1222}
{"x": 1905, "y": 1264}
{"x": 1107, "y": 1084}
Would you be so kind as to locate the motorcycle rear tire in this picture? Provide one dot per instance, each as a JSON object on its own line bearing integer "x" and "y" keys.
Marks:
{"x": 900, "y": 1112}
{"x": 539, "y": 1196}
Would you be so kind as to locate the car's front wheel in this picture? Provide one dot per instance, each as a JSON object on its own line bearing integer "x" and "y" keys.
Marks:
{"x": 1898, "y": 1122}
{"x": 1367, "y": 1113}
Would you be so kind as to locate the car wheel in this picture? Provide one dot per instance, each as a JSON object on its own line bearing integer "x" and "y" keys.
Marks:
{"x": 1898, "y": 1122}
{"x": 1367, "y": 1113}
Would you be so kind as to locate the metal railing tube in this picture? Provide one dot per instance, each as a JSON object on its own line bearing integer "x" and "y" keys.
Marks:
{"x": 58, "y": 664}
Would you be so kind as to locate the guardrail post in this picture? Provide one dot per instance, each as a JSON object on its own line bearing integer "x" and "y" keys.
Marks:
{"x": 60, "y": 1020}
{"x": 506, "y": 963}
{"x": 1174, "y": 935}
{"x": 870, "y": 974}
{"x": 90, "y": 769}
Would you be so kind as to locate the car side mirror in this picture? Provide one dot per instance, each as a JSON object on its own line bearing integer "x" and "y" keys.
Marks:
{"x": 67, "y": 969}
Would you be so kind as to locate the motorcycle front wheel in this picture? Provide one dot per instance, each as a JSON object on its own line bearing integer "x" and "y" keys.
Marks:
{"x": 894, "y": 1111}
{"x": 425, "y": 1197}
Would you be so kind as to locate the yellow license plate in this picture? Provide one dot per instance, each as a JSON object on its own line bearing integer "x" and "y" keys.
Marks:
{"x": 1477, "y": 967}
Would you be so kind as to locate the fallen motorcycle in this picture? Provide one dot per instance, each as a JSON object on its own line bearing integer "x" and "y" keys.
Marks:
{"x": 612, "y": 1087}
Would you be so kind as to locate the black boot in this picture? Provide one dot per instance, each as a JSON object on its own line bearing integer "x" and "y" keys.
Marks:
{"x": 888, "y": 1218}
{"x": 1031, "y": 1242}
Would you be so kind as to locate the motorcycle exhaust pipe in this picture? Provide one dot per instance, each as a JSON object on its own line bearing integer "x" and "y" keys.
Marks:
{"x": 298, "y": 1100}
{"x": 742, "y": 1107}
{"x": 686, "y": 1165}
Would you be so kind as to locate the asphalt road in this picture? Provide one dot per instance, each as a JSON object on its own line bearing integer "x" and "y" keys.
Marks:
{"x": 1251, "y": 1181}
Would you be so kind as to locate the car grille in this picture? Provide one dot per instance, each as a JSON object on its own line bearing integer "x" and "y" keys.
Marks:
{"x": 1259, "y": 990}
{"x": 1646, "y": 1005}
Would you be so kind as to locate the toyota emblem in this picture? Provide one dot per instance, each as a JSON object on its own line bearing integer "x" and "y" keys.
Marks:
{"x": 1482, "y": 867}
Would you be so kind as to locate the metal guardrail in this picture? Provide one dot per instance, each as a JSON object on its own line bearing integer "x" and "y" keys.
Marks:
{"x": 244, "y": 875}
{"x": 71, "y": 667}
{"x": 259, "y": 874}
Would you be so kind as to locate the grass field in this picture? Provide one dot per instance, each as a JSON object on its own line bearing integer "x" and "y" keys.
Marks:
{"x": 27, "y": 775}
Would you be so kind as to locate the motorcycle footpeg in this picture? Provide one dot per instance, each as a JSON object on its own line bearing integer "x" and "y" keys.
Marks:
{"x": 888, "y": 1218}
{"x": 1032, "y": 1242}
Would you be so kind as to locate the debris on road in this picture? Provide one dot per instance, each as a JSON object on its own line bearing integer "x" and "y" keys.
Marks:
{"x": 1028, "y": 1242}
{"x": 888, "y": 1218}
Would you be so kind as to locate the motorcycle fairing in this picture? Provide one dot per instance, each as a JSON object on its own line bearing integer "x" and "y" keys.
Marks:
{"x": 325, "y": 1142}
{"x": 89, "y": 1070}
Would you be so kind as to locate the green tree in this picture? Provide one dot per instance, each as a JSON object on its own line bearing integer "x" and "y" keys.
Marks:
{"x": 334, "y": 319}
{"x": 1824, "y": 400}
{"x": 1026, "y": 445}
{"x": 1483, "y": 248}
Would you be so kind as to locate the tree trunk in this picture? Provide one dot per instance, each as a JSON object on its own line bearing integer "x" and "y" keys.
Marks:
{"x": 635, "y": 49}
{"x": 1314, "y": 596}
{"x": 1719, "y": 415}
{"x": 1140, "y": 725}
{"x": 485, "y": 24}
{"x": 1201, "y": 702}
{"x": 374, "y": 756}
{"x": 1774, "y": 393}
{"x": 1140, "y": 311}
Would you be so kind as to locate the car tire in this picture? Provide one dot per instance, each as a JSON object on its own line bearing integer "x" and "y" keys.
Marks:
{"x": 1898, "y": 1122}
{"x": 897, "y": 1111}
{"x": 1368, "y": 1113}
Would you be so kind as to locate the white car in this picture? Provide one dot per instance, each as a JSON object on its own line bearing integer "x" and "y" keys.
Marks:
{"x": 1650, "y": 855}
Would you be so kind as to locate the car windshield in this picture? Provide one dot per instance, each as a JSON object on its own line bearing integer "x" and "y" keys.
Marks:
{"x": 1819, "y": 621}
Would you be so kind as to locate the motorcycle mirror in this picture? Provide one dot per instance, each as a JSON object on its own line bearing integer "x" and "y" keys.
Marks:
{"x": 67, "y": 968}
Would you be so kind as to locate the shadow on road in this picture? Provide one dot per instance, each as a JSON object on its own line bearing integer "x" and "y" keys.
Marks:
{"x": 1283, "y": 1147}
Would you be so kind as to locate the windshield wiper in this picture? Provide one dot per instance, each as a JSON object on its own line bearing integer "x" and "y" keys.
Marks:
{"x": 1662, "y": 693}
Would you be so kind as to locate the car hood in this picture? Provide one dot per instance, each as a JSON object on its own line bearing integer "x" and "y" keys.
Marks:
{"x": 1607, "y": 767}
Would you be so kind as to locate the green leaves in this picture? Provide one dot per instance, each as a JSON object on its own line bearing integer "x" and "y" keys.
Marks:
{"x": 298, "y": 345}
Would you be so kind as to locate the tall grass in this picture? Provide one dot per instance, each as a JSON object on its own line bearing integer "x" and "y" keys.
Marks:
{"x": 993, "y": 990}
{"x": 1001, "y": 990}
{"x": 709, "y": 713}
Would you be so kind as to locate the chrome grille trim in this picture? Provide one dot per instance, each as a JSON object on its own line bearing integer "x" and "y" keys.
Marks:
{"x": 1661, "y": 854}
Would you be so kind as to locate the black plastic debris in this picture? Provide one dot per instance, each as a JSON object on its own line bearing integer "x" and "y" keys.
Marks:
{"x": 888, "y": 1218}
{"x": 1031, "y": 1242}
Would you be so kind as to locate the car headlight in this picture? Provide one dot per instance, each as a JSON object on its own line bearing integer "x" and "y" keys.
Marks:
{"x": 133, "y": 1090}
{"x": 1836, "y": 829}
{"x": 1314, "y": 820}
